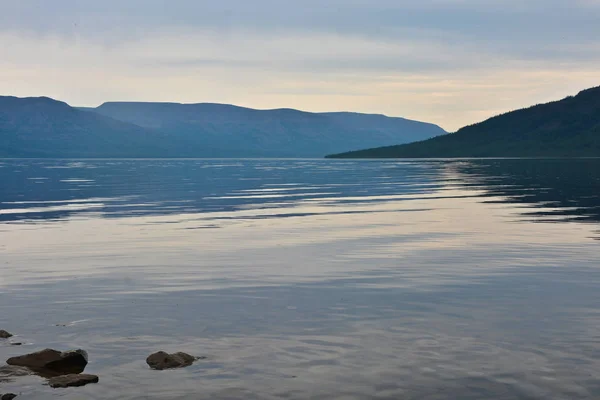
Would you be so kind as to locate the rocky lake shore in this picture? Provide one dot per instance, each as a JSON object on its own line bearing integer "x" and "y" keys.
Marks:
{"x": 64, "y": 369}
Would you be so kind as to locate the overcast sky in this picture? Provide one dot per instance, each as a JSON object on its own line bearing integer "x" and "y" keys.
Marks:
{"x": 451, "y": 62}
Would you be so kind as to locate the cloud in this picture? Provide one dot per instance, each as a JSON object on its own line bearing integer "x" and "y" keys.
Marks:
{"x": 444, "y": 61}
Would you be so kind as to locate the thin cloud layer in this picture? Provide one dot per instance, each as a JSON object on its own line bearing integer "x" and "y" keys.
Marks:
{"x": 451, "y": 62}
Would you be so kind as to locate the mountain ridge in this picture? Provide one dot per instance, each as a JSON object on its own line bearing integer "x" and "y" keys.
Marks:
{"x": 563, "y": 128}
{"x": 37, "y": 126}
{"x": 44, "y": 127}
{"x": 282, "y": 131}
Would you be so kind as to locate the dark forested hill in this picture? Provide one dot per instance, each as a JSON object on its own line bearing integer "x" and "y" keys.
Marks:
{"x": 565, "y": 128}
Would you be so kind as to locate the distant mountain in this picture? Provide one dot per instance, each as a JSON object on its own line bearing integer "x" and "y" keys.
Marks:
{"x": 565, "y": 128}
{"x": 227, "y": 130}
{"x": 42, "y": 127}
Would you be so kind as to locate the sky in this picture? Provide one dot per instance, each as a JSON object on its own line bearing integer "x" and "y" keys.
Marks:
{"x": 450, "y": 62}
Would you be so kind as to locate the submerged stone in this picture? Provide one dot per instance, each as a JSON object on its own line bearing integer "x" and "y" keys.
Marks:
{"x": 72, "y": 380}
{"x": 5, "y": 335}
{"x": 9, "y": 373}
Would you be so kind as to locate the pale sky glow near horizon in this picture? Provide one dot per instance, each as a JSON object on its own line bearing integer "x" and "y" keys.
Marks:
{"x": 449, "y": 62}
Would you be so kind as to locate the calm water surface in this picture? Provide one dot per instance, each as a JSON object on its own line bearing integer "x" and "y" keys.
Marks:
{"x": 306, "y": 279}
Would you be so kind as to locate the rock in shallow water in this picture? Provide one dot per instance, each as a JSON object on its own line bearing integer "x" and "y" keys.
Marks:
{"x": 69, "y": 362}
{"x": 73, "y": 380}
{"x": 162, "y": 360}
{"x": 5, "y": 335}
{"x": 9, "y": 373}
{"x": 8, "y": 396}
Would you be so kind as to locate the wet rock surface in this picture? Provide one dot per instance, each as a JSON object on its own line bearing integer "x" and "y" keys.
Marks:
{"x": 4, "y": 334}
{"x": 162, "y": 360}
{"x": 35, "y": 360}
{"x": 51, "y": 362}
{"x": 72, "y": 380}
{"x": 73, "y": 362}
{"x": 8, "y": 396}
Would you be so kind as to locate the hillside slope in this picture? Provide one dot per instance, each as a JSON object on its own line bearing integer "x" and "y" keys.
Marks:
{"x": 240, "y": 131}
{"x": 565, "y": 128}
{"x": 42, "y": 127}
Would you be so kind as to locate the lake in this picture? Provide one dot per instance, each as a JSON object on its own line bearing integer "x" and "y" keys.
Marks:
{"x": 306, "y": 279}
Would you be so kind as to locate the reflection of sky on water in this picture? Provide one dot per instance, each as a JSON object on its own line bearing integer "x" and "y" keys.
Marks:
{"x": 412, "y": 280}
{"x": 51, "y": 189}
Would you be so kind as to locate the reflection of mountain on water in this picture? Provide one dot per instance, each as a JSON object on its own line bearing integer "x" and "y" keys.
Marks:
{"x": 57, "y": 189}
{"x": 550, "y": 190}
{"x": 556, "y": 189}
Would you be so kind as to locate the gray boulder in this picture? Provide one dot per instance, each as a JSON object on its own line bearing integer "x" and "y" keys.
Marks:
{"x": 53, "y": 361}
{"x": 162, "y": 360}
{"x": 72, "y": 380}
{"x": 4, "y": 334}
